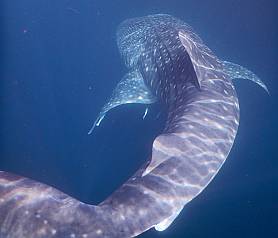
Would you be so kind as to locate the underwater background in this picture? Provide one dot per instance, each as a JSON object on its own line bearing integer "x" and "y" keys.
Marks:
{"x": 59, "y": 63}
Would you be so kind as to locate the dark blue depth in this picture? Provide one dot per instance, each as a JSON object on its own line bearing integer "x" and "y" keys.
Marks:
{"x": 59, "y": 63}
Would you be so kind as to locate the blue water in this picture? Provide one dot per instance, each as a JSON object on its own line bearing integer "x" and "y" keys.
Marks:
{"x": 59, "y": 63}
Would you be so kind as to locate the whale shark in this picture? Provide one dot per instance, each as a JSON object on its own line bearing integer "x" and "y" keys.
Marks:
{"x": 166, "y": 62}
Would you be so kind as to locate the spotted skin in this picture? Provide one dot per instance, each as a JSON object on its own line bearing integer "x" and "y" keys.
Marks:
{"x": 202, "y": 122}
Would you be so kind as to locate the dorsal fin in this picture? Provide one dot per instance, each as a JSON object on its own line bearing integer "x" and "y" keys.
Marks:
{"x": 202, "y": 58}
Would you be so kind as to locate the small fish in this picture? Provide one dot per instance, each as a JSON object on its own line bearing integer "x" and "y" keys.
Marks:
{"x": 145, "y": 113}
{"x": 167, "y": 63}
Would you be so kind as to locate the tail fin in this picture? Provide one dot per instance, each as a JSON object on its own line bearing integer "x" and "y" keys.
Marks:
{"x": 236, "y": 71}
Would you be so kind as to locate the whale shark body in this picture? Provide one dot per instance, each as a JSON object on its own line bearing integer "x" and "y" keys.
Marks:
{"x": 167, "y": 63}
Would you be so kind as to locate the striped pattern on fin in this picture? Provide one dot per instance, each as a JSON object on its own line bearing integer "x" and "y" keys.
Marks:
{"x": 199, "y": 133}
{"x": 201, "y": 56}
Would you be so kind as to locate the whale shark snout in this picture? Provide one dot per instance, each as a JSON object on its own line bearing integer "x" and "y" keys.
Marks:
{"x": 168, "y": 63}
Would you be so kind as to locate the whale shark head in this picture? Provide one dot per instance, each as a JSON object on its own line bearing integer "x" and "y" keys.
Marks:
{"x": 172, "y": 65}
{"x": 152, "y": 45}
{"x": 164, "y": 56}
{"x": 166, "y": 62}
{"x": 159, "y": 65}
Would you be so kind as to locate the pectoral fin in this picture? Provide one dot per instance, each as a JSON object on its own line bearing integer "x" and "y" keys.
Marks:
{"x": 236, "y": 71}
{"x": 131, "y": 89}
